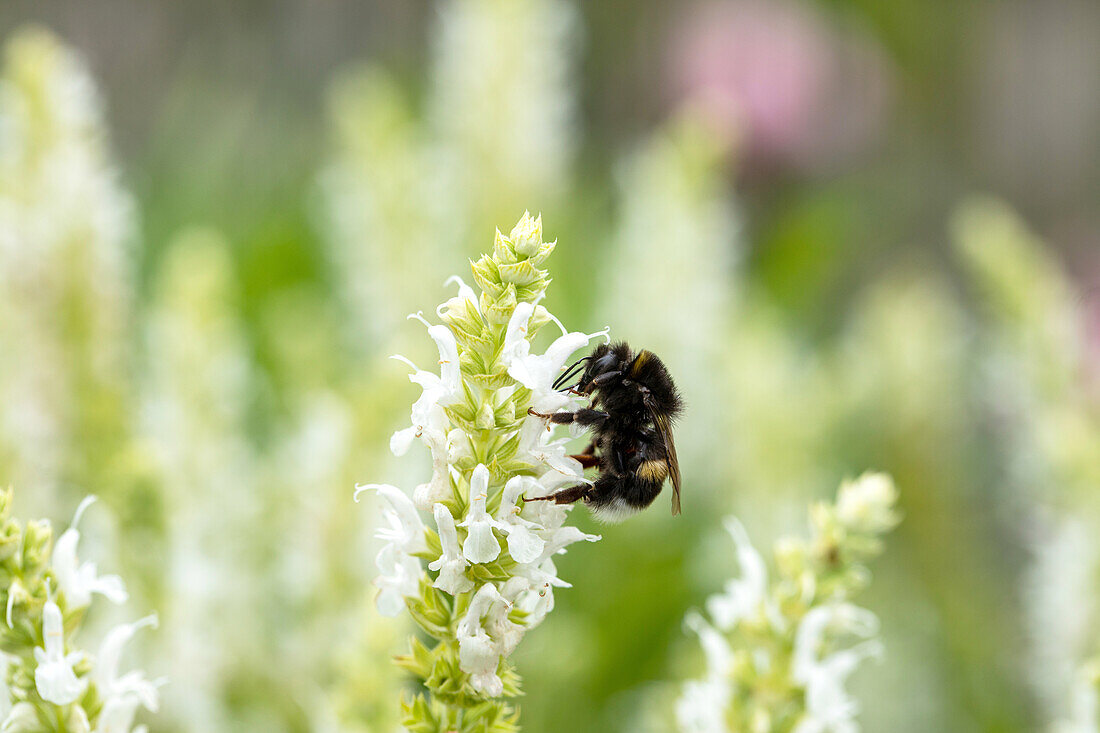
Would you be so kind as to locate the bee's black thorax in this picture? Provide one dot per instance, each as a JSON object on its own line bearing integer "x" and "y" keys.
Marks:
{"x": 629, "y": 378}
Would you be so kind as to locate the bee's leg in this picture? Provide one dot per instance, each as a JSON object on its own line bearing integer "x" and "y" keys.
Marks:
{"x": 587, "y": 460}
{"x": 599, "y": 381}
{"x": 566, "y": 496}
{"x": 585, "y": 416}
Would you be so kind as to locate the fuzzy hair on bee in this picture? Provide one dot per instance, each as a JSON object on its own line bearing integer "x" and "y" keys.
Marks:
{"x": 634, "y": 403}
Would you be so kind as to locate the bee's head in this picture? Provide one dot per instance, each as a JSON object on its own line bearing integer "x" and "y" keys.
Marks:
{"x": 604, "y": 358}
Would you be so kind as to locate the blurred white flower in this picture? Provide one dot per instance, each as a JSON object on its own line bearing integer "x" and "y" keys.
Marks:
{"x": 66, "y": 264}
{"x": 76, "y": 581}
{"x": 398, "y": 578}
{"x": 1060, "y": 606}
{"x": 501, "y": 100}
{"x": 122, "y": 695}
{"x": 867, "y": 504}
{"x": 399, "y": 571}
{"x": 744, "y": 596}
{"x": 54, "y": 676}
{"x": 701, "y": 707}
{"x": 406, "y": 530}
{"x": 716, "y": 648}
{"x": 22, "y": 718}
{"x": 1084, "y": 702}
{"x": 828, "y": 705}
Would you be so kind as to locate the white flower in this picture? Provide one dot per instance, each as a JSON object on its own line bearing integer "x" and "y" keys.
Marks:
{"x": 406, "y": 530}
{"x": 715, "y": 647}
{"x": 506, "y": 632}
{"x": 399, "y": 571}
{"x": 828, "y": 705}
{"x": 429, "y": 421}
{"x": 450, "y": 565}
{"x": 537, "y": 448}
{"x": 17, "y": 593}
{"x": 430, "y": 424}
{"x": 742, "y": 596}
{"x": 541, "y": 576}
{"x": 1084, "y": 703}
{"x": 538, "y": 600}
{"x": 21, "y": 719}
{"x": 523, "y": 544}
{"x": 702, "y": 707}
{"x": 466, "y": 299}
{"x": 398, "y": 578}
{"x": 561, "y": 538}
{"x": 78, "y": 582}
{"x": 448, "y": 385}
{"x": 538, "y": 372}
{"x": 78, "y": 721}
{"x": 478, "y": 654}
{"x": 54, "y": 676}
{"x": 838, "y": 618}
{"x": 867, "y": 504}
{"x": 121, "y": 695}
{"x": 481, "y": 544}
{"x": 547, "y": 514}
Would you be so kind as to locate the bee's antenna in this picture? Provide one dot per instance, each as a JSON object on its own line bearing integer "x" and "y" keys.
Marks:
{"x": 570, "y": 372}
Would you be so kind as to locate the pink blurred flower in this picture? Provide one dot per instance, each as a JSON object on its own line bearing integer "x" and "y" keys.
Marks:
{"x": 795, "y": 89}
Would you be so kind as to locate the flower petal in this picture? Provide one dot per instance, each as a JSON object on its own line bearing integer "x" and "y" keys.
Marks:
{"x": 481, "y": 544}
{"x": 524, "y": 545}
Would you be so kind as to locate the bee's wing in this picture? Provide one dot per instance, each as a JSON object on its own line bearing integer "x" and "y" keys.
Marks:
{"x": 664, "y": 427}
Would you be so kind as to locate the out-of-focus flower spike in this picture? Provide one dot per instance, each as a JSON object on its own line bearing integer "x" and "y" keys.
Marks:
{"x": 752, "y": 624}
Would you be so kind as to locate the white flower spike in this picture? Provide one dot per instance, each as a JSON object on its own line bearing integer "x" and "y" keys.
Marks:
{"x": 494, "y": 570}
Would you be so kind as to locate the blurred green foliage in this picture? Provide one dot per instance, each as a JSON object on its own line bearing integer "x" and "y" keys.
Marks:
{"x": 818, "y": 318}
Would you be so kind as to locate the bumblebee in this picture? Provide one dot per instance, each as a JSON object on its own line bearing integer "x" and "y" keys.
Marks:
{"x": 634, "y": 403}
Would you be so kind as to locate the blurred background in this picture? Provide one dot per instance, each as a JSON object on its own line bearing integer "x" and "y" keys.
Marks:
{"x": 863, "y": 235}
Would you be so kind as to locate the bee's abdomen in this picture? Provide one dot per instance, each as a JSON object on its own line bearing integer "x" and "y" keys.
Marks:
{"x": 614, "y": 498}
{"x": 653, "y": 471}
